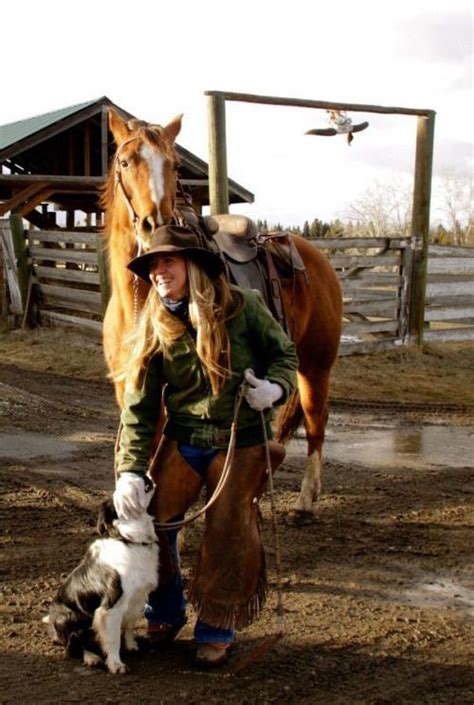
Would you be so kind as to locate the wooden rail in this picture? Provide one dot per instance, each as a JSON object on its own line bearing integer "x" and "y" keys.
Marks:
{"x": 71, "y": 286}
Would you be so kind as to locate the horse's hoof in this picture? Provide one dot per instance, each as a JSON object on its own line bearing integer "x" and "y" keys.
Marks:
{"x": 299, "y": 517}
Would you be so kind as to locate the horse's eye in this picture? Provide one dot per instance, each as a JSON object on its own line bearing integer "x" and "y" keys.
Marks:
{"x": 124, "y": 163}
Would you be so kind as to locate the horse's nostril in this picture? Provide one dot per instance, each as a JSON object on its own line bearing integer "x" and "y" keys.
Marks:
{"x": 148, "y": 225}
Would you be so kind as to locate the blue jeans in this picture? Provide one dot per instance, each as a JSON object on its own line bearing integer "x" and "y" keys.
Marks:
{"x": 166, "y": 604}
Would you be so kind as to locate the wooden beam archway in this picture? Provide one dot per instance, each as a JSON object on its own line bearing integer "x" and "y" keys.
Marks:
{"x": 218, "y": 178}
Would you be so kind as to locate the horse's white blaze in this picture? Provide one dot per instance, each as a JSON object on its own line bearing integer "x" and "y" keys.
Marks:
{"x": 157, "y": 182}
{"x": 311, "y": 485}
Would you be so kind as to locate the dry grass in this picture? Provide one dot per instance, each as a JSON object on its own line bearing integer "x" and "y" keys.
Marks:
{"x": 438, "y": 374}
{"x": 53, "y": 350}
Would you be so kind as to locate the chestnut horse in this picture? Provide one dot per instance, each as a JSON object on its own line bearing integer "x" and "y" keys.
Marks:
{"x": 140, "y": 195}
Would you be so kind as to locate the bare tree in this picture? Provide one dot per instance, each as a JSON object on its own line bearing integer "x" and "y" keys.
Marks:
{"x": 384, "y": 208}
{"x": 455, "y": 193}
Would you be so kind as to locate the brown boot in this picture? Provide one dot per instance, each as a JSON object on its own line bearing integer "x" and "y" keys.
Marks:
{"x": 211, "y": 655}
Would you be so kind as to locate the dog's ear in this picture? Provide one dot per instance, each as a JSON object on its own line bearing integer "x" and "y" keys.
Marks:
{"x": 75, "y": 646}
{"x": 106, "y": 518}
{"x": 65, "y": 626}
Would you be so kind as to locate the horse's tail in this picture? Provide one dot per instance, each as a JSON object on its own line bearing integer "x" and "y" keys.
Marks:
{"x": 289, "y": 417}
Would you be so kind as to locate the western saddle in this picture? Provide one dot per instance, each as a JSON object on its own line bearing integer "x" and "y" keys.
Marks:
{"x": 252, "y": 260}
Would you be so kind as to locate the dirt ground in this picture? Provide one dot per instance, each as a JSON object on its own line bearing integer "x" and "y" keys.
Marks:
{"x": 378, "y": 588}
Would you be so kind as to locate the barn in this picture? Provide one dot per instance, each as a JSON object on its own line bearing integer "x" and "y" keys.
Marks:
{"x": 58, "y": 161}
{"x": 52, "y": 169}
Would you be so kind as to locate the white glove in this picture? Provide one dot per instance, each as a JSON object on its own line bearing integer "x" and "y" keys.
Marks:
{"x": 260, "y": 393}
{"x": 129, "y": 497}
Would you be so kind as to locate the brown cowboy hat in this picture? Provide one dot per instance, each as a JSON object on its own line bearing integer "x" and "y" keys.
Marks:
{"x": 176, "y": 239}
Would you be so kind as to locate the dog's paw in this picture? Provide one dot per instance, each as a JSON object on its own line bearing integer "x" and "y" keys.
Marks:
{"x": 131, "y": 643}
{"x": 91, "y": 660}
{"x": 117, "y": 667}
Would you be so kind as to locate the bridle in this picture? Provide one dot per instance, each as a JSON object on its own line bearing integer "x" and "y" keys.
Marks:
{"x": 133, "y": 215}
{"x": 119, "y": 183}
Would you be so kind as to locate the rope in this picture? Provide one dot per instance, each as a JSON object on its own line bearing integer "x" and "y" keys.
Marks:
{"x": 224, "y": 475}
{"x": 276, "y": 538}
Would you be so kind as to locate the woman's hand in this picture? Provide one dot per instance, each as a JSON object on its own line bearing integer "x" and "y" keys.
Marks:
{"x": 129, "y": 496}
{"x": 260, "y": 393}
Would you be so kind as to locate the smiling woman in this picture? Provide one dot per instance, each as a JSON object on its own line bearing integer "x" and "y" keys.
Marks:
{"x": 168, "y": 276}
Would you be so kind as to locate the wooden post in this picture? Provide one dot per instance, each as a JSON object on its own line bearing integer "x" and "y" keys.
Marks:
{"x": 21, "y": 254}
{"x": 420, "y": 228}
{"x": 218, "y": 181}
{"x": 103, "y": 272}
{"x": 406, "y": 271}
{"x": 104, "y": 128}
{"x": 87, "y": 149}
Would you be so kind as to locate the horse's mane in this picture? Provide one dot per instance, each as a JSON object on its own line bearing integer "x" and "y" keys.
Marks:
{"x": 152, "y": 135}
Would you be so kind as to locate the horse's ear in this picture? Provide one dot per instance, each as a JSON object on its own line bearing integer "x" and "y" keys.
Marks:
{"x": 118, "y": 127}
{"x": 173, "y": 128}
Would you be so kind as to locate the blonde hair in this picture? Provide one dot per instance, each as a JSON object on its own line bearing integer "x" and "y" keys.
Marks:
{"x": 211, "y": 304}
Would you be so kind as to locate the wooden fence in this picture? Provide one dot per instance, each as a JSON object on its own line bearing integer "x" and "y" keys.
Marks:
{"x": 71, "y": 274}
{"x": 68, "y": 273}
{"x": 449, "y": 310}
{"x": 375, "y": 273}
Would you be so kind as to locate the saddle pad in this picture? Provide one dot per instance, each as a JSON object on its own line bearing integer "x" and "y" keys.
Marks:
{"x": 235, "y": 247}
{"x": 249, "y": 276}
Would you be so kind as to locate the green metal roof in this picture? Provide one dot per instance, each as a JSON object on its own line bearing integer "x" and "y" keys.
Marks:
{"x": 16, "y": 131}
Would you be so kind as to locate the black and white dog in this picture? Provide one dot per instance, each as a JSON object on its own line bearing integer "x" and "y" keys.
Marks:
{"x": 103, "y": 597}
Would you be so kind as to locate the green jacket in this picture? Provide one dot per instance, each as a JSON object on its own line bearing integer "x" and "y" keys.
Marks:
{"x": 194, "y": 415}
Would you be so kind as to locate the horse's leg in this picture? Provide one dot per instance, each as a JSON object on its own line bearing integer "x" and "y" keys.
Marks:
{"x": 313, "y": 385}
{"x": 113, "y": 333}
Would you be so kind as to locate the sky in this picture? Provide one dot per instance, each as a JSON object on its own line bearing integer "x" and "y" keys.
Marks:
{"x": 157, "y": 59}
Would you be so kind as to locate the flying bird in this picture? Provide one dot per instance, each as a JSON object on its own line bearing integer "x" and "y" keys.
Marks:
{"x": 340, "y": 124}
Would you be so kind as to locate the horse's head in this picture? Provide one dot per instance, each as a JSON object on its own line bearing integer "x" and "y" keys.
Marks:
{"x": 144, "y": 171}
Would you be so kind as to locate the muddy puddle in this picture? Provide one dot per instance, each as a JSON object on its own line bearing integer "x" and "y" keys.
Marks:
{"x": 420, "y": 447}
{"x": 34, "y": 445}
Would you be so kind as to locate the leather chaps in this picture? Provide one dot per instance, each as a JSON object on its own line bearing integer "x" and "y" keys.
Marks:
{"x": 229, "y": 585}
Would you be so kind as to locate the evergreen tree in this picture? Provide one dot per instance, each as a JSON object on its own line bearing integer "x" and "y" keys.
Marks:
{"x": 336, "y": 229}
